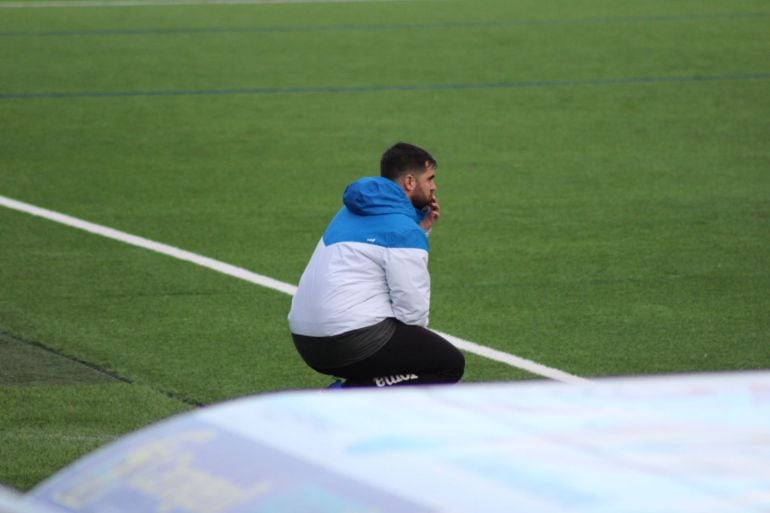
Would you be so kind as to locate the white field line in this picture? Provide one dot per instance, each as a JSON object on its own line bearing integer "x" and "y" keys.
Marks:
{"x": 513, "y": 360}
{"x": 155, "y": 3}
{"x": 270, "y": 283}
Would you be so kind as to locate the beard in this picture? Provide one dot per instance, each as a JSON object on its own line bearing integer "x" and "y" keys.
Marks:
{"x": 420, "y": 201}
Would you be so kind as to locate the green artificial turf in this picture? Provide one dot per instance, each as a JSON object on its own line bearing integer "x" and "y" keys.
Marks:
{"x": 602, "y": 172}
{"x": 46, "y": 427}
{"x": 28, "y": 364}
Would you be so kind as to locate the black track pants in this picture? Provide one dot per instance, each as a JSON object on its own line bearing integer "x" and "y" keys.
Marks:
{"x": 413, "y": 355}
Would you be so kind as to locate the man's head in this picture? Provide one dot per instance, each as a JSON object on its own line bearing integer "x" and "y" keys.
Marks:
{"x": 414, "y": 169}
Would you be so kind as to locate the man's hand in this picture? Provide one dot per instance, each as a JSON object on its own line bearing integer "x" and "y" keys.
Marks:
{"x": 433, "y": 214}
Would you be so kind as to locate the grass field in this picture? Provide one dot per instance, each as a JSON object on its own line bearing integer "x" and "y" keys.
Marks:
{"x": 604, "y": 173}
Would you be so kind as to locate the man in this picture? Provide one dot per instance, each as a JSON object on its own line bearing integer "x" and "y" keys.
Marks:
{"x": 361, "y": 308}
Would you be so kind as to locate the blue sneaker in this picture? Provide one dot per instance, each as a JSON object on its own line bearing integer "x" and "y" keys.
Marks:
{"x": 337, "y": 384}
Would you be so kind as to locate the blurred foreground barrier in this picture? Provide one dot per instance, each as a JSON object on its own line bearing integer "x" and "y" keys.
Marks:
{"x": 694, "y": 443}
{"x": 13, "y": 502}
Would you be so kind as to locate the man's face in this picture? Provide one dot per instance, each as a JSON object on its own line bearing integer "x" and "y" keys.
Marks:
{"x": 424, "y": 187}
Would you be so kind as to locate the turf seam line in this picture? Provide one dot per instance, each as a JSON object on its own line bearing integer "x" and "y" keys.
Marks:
{"x": 267, "y": 282}
{"x": 102, "y": 439}
{"x": 531, "y": 84}
{"x": 376, "y": 27}
{"x": 39, "y": 345}
{"x": 170, "y": 3}
{"x": 92, "y": 366}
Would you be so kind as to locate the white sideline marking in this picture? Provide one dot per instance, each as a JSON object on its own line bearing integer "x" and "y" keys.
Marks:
{"x": 270, "y": 283}
{"x": 514, "y": 361}
{"x": 110, "y": 233}
{"x": 155, "y": 3}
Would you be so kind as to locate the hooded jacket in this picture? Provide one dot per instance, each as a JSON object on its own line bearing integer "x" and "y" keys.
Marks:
{"x": 370, "y": 264}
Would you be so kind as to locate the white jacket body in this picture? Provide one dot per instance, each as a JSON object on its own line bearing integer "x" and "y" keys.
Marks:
{"x": 370, "y": 264}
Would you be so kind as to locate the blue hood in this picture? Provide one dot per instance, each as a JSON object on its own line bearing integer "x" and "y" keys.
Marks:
{"x": 372, "y": 196}
{"x": 377, "y": 211}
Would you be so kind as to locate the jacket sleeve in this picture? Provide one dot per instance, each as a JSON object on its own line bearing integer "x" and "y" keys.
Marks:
{"x": 406, "y": 270}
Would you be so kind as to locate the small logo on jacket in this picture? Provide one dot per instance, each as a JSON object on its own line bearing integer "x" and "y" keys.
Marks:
{"x": 387, "y": 381}
{"x": 371, "y": 239}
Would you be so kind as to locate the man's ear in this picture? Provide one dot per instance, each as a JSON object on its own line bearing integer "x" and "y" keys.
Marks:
{"x": 409, "y": 183}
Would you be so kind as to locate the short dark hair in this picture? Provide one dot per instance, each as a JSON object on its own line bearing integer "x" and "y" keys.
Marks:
{"x": 402, "y": 158}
